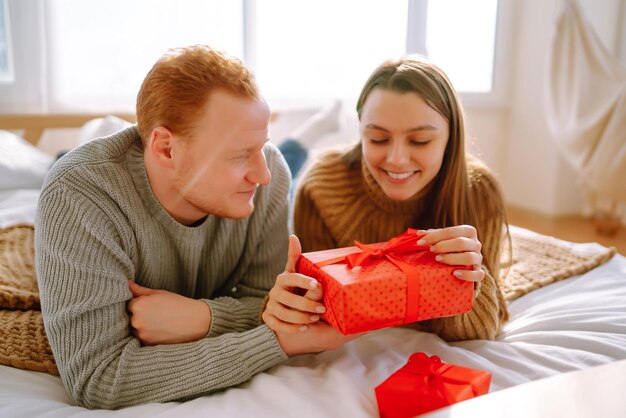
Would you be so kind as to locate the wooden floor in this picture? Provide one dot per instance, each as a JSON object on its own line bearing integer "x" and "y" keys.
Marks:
{"x": 570, "y": 228}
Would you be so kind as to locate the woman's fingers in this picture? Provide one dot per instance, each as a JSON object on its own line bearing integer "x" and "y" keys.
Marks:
{"x": 432, "y": 236}
{"x": 475, "y": 275}
{"x": 460, "y": 259}
{"x": 457, "y": 245}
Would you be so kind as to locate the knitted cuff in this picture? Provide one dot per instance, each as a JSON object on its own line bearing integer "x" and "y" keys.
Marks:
{"x": 263, "y": 305}
{"x": 477, "y": 285}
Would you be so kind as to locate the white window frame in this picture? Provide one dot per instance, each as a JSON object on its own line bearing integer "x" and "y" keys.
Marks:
{"x": 498, "y": 96}
{"x": 28, "y": 94}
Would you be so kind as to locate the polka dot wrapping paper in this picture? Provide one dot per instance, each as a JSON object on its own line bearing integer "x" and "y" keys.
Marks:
{"x": 425, "y": 384}
{"x": 379, "y": 285}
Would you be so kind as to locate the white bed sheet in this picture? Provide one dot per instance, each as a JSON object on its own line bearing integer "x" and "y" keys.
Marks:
{"x": 571, "y": 325}
{"x": 17, "y": 206}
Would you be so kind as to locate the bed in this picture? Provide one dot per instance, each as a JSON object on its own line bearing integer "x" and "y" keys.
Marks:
{"x": 564, "y": 349}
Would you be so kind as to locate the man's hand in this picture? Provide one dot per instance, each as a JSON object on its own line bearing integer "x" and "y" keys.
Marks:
{"x": 318, "y": 337}
{"x": 162, "y": 317}
{"x": 286, "y": 311}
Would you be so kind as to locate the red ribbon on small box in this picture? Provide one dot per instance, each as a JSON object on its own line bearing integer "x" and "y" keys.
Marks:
{"x": 398, "y": 282}
{"x": 425, "y": 384}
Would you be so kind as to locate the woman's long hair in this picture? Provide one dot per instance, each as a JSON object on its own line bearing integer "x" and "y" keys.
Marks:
{"x": 449, "y": 196}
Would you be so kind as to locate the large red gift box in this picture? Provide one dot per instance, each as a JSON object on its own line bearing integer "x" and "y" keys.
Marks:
{"x": 379, "y": 285}
{"x": 425, "y": 384}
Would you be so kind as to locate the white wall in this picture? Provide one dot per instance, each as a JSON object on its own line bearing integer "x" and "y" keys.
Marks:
{"x": 513, "y": 137}
{"x": 515, "y": 140}
{"x": 25, "y": 92}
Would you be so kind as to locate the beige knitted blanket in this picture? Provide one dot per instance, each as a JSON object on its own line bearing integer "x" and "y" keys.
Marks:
{"x": 538, "y": 260}
{"x": 23, "y": 342}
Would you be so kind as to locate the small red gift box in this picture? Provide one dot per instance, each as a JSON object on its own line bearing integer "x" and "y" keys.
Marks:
{"x": 373, "y": 286}
{"x": 425, "y": 384}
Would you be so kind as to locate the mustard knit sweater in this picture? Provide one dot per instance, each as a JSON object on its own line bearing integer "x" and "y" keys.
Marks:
{"x": 337, "y": 204}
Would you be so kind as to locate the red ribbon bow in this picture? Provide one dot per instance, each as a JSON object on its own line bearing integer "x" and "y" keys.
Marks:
{"x": 420, "y": 363}
{"x": 403, "y": 243}
{"x": 433, "y": 369}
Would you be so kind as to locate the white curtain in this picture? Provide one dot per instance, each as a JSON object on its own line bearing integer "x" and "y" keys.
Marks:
{"x": 586, "y": 107}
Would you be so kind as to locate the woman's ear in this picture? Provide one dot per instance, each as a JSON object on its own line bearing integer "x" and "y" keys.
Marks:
{"x": 160, "y": 146}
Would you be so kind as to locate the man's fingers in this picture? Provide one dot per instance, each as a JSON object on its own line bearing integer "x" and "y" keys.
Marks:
{"x": 282, "y": 327}
{"x": 315, "y": 294}
{"x": 291, "y": 316}
{"x": 295, "y": 249}
{"x": 296, "y": 280}
{"x": 297, "y": 302}
{"x": 138, "y": 290}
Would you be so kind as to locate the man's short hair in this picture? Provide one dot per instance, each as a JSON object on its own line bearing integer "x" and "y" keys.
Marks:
{"x": 174, "y": 92}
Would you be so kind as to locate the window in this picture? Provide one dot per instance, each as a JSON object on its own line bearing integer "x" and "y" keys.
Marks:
{"x": 325, "y": 48}
{"x": 92, "y": 56}
{"x": 125, "y": 38}
{"x": 460, "y": 38}
{"x": 6, "y": 54}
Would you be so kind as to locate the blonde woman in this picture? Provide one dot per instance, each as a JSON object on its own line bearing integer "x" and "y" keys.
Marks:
{"x": 409, "y": 169}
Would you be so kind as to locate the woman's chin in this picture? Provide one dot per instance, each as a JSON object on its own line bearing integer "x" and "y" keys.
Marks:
{"x": 399, "y": 196}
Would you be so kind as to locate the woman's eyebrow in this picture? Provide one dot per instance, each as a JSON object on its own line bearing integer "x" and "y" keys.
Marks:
{"x": 416, "y": 129}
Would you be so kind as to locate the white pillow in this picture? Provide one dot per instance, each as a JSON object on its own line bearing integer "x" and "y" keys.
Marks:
{"x": 22, "y": 165}
{"x": 100, "y": 127}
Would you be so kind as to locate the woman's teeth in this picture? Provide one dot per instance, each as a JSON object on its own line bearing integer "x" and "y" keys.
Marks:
{"x": 400, "y": 176}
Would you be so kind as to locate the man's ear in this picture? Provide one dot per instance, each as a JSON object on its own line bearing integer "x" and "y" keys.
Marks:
{"x": 160, "y": 146}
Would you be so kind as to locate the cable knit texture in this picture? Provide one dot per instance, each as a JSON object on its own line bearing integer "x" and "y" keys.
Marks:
{"x": 99, "y": 224}
{"x": 337, "y": 204}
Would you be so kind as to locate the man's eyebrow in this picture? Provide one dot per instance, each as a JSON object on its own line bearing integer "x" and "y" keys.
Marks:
{"x": 251, "y": 147}
{"x": 416, "y": 129}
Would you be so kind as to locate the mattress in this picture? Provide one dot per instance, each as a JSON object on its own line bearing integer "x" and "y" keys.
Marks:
{"x": 575, "y": 325}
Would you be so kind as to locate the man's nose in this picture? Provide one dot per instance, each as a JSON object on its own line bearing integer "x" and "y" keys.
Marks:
{"x": 260, "y": 172}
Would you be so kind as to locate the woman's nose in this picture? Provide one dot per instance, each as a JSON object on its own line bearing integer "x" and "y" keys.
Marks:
{"x": 397, "y": 154}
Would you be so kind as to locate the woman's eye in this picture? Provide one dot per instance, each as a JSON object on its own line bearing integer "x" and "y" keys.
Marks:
{"x": 419, "y": 142}
{"x": 378, "y": 140}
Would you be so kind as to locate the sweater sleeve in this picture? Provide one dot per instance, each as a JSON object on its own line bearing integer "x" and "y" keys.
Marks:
{"x": 264, "y": 257}
{"x": 308, "y": 223}
{"x": 83, "y": 262}
{"x": 481, "y": 323}
{"x": 489, "y": 311}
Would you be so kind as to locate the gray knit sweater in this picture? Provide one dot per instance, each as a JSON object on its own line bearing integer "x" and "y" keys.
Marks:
{"x": 99, "y": 224}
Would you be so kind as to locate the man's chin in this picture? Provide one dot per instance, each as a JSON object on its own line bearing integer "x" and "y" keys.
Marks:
{"x": 239, "y": 214}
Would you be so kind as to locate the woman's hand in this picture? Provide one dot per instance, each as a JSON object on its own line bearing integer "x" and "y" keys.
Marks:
{"x": 287, "y": 311}
{"x": 456, "y": 246}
